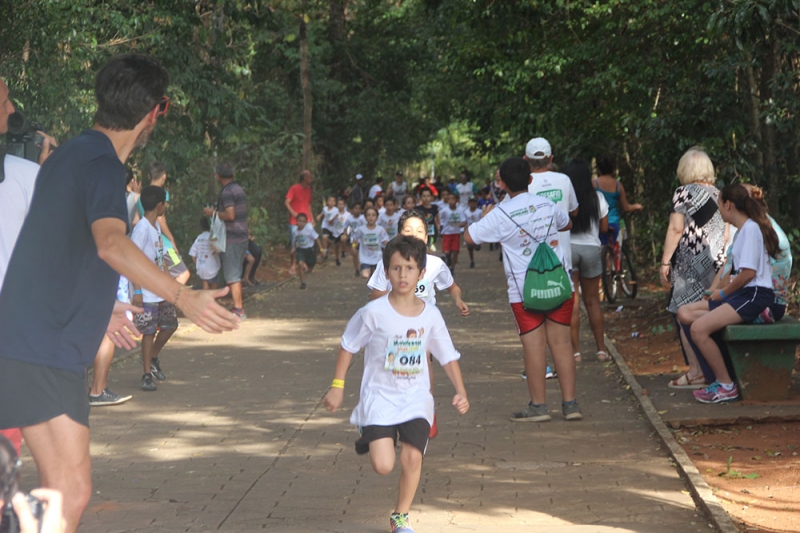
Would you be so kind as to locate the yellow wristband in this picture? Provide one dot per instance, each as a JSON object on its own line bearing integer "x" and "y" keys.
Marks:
{"x": 337, "y": 384}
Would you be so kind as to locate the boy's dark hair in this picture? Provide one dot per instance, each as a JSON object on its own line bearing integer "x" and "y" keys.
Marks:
{"x": 224, "y": 170}
{"x": 390, "y": 199}
{"x": 411, "y": 213}
{"x": 379, "y": 180}
{"x": 152, "y": 195}
{"x": 409, "y": 248}
{"x": 606, "y": 165}
{"x": 156, "y": 170}
{"x": 127, "y": 88}
{"x": 128, "y": 176}
{"x": 205, "y": 224}
{"x": 301, "y": 215}
{"x": 515, "y": 173}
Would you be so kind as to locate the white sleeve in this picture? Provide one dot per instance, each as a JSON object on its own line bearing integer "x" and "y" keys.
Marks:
{"x": 573, "y": 198}
{"x": 444, "y": 278}
{"x": 749, "y": 247}
{"x": 193, "y": 249}
{"x": 378, "y": 280}
{"x": 561, "y": 218}
{"x": 603, "y": 205}
{"x": 383, "y": 236}
{"x": 440, "y": 345}
{"x": 139, "y": 237}
{"x": 357, "y": 333}
{"x": 314, "y": 235}
{"x": 486, "y": 229}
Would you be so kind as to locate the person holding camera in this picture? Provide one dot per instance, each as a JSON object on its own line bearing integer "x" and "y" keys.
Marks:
{"x": 36, "y": 512}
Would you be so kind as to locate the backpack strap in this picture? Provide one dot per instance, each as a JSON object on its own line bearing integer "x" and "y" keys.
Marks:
{"x": 526, "y": 231}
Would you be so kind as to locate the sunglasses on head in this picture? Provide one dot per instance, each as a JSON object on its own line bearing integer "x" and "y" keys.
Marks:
{"x": 163, "y": 105}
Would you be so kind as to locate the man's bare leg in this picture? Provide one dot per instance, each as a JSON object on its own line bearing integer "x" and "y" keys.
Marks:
{"x": 102, "y": 364}
{"x": 236, "y": 294}
{"x": 60, "y": 448}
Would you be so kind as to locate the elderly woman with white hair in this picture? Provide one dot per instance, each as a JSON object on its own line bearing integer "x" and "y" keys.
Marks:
{"x": 695, "y": 242}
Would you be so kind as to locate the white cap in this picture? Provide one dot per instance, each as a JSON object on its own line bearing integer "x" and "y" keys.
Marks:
{"x": 538, "y": 148}
{"x": 359, "y": 176}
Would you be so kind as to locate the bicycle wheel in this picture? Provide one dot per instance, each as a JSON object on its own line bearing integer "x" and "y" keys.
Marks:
{"x": 627, "y": 275}
{"x": 609, "y": 274}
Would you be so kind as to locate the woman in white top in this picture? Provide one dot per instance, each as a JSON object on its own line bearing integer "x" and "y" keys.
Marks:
{"x": 590, "y": 222}
{"x": 741, "y": 300}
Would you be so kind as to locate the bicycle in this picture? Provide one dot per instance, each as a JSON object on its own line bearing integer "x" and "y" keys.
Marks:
{"x": 618, "y": 269}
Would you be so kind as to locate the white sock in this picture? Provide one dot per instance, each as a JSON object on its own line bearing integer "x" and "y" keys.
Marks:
{"x": 727, "y": 386}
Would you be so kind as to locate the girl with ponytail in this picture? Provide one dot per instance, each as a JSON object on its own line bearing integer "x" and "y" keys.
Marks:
{"x": 744, "y": 297}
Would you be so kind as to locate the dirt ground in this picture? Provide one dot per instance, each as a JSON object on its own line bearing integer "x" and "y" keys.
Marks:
{"x": 754, "y": 469}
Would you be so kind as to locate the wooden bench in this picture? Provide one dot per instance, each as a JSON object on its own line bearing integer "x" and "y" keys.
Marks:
{"x": 763, "y": 357}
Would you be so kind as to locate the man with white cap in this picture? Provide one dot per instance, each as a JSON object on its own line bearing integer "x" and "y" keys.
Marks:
{"x": 552, "y": 185}
{"x": 357, "y": 193}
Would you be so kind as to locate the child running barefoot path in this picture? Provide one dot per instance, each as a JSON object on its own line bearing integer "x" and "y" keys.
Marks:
{"x": 395, "y": 401}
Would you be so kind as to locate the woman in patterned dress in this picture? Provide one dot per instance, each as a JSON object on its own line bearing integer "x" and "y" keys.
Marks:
{"x": 695, "y": 243}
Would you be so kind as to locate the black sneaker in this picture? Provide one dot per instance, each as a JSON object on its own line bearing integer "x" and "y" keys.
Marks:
{"x": 147, "y": 383}
{"x": 107, "y": 398}
{"x": 472, "y": 264}
{"x": 338, "y": 263}
{"x": 303, "y": 285}
{"x": 155, "y": 370}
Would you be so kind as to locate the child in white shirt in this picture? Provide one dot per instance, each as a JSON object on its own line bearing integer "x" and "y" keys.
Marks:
{"x": 304, "y": 240}
{"x": 389, "y": 218}
{"x": 453, "y": 219}
{"x": 206, "y": 259}
{"x": 371, "y": 239}
{"x": 327, "y": 216}
{"x": 339, "y": 225}
{"x": 356, "y": 221}
{"x": 395, "y": 332}
{"x": 473, "y": 215}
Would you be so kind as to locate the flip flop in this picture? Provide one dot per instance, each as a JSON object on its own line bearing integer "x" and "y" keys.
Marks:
{"x": 686, "y": 383}
{"x": 577, "y": 356}
{"x": 602, "y": 356}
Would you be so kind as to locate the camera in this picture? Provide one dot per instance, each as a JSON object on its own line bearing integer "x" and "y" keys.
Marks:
{"x": 9, "y": 523}
{"x": 22, "y": 139}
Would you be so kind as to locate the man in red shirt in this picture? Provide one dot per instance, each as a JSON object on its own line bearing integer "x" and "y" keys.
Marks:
{"x": 298, "y": 200}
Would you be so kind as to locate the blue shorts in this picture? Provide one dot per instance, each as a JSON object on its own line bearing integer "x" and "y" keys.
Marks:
{"x": 748, "y": 302}
{"x": 613, "y": 230}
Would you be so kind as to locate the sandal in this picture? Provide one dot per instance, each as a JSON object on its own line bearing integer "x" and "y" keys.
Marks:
{"x": 687, "y": 383}
{"x": 577, "y": 356}
{"x": 602, "y": 356}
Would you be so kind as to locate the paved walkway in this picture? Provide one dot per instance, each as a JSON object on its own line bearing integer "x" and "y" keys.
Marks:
{"x": 237, "y": 440}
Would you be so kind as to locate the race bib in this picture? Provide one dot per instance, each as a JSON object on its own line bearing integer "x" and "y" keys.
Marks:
{"x": 431, "y": 229}
{"x": 422, "y": 290}
{"x": 405, "y": 356}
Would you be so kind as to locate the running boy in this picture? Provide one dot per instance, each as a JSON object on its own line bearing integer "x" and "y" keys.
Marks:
{"x": 395, "y": 401}
{"x": 327, "y": 216}
{"x": 389, "y": 218}
{"x": 431, "y": 213}
{"x": 371, "y": 239}
{"x": 409, "y": 203}
{"x": 473, "y": 215}
{"x": 304, "y": 240}
{"x": 159, "y": 321}
{"x": 339, "y": 225}
{"x": 206, "y": 260}
{"x": 519, "y": 223}
{"x": 356, "y": 221}
{"x": 453, "y": 219}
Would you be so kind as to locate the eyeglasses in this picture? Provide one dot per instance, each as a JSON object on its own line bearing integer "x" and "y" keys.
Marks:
{"x": 163, "y": 105}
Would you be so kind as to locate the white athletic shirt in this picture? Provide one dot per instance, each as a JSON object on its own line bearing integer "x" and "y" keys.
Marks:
{"x": 465, "y": 192}
{"x": 16, "y": 192}
{"x": 328, "y": 216}
{"x": 370, "y": 243}
{"x": 473, "y": 216}
{"x": 451, "y": 218}
{"x": 305, "y": 238}
{"x": 534, "y": 214}
{"x": 148, "y": 239}
{"x": 750, "y": 252}
{"x": 557, "y": 187}
{"x": 354, "y": 223}
{"x": 398, "y": 191}
{"x": 592, "y": 237}
{"x": 208, "y": 263}
{"x": 374, "y": 190}
{"x": 395, "y": 386}
{"x": 437, "y": 276}
{"x": 389, "y": 223}
{"x": 340, "y": 222}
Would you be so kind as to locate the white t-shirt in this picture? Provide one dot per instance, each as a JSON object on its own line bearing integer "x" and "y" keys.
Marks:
{"x": 473, "y": 216}
{"x": 398, "y": 191}
{"x": 340, "y": 222}
{"x": 148, "y": 239}
{"x": 328, "y": 216}
{"x": 389, "y": 223}
{"x": 374, "y": 190}
{"x": 557, "y": 187}
{"x": 16, "y": 192}
{"x": 465, "y": 192}
{"x": 305, "y": 238}
{"x": 437, "y": 276}
{"x": 451, "y": 218}
{"x": 592, "y": 237}
{"x": 750, "y": 252}
{"x": 395, "y": 386}
{"x": 354, "y": 223}
{"x": 370, "y": 243}
{"x": 207, "y": 259}
{"x": 534, "y": 214}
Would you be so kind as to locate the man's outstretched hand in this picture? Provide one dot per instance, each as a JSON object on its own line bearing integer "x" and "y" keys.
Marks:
{"x": 202, "y": 308}
{"x": 120, "y": 329}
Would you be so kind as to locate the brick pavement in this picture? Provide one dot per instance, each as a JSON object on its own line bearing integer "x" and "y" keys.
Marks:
{"x": 236, "y": 439}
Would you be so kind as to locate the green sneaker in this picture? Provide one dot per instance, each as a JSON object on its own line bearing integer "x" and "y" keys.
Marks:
{"x": 399, "y": 523}
{"x": 571, "y": 410}
{"x": 534, "y": 413}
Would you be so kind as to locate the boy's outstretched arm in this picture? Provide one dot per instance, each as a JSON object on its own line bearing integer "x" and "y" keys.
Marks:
{"x": 335, "y": 396}
{"x": 460, "y": 401}
{"x": 455, "y": 294}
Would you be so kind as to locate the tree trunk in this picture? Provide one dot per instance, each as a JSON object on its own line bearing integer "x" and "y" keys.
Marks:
{"x": 768, "y": 70}
{"x": 307, "y": 99}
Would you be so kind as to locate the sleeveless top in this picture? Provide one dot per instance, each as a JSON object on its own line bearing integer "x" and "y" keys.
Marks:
{"x": 612, "y": 198}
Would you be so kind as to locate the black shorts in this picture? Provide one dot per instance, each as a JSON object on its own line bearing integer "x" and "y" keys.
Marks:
{"x": 329, "y": 233}
{"x": 31, "y": 394}
{"x": 414, "y": 432}
{"x": 307, "y": 256}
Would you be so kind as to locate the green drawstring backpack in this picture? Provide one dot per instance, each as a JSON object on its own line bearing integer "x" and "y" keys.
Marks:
{"x": 547, "y": 284}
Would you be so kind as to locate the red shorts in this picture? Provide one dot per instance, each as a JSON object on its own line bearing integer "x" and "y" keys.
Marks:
{"x": 451, "y": 243}
{"x": 528, "y": 321}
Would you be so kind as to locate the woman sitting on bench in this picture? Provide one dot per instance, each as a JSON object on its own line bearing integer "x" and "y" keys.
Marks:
{"x": 744, "y": 298}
